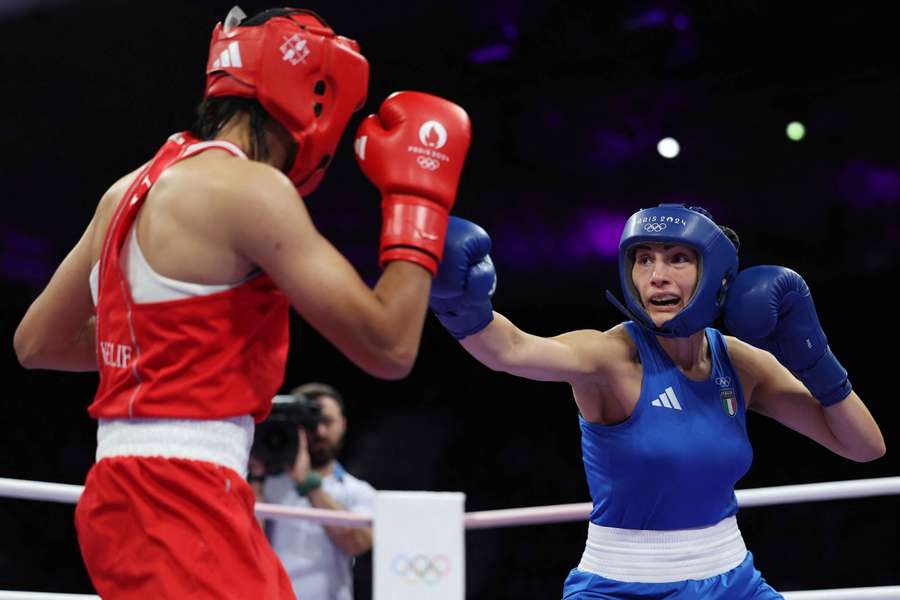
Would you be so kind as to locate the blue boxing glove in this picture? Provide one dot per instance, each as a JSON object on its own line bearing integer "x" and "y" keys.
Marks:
{"x": 771, "y": 308}
{"x": 461, "y": 290}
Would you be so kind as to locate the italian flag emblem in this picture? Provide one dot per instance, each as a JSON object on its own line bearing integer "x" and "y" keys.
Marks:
{"x": 729, "y": 402}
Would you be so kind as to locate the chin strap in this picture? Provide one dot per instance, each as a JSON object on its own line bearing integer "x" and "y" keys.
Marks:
{"x": 615, "y": 302}
{"x": 651, "y": 328}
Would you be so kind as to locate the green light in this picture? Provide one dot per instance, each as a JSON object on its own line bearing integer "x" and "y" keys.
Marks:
{"x": 796, "y": 131}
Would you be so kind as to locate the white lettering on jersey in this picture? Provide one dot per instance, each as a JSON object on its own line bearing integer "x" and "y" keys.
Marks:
{"x": 115, "y": 355}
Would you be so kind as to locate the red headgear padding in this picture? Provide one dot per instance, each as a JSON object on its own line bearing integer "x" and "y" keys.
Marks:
{"x": 307, "y": 78}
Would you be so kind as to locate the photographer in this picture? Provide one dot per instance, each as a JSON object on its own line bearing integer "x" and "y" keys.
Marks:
{"x": 293, "y": 462}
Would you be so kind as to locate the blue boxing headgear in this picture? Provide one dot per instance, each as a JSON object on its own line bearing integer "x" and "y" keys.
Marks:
{"x": 718, "y": 263}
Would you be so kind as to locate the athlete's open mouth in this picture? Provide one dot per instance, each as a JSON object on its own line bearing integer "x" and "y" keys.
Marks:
{"x": 665, "y": 300}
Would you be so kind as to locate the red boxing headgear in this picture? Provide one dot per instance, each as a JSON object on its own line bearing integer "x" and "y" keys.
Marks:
{"x": 305, "y": 76}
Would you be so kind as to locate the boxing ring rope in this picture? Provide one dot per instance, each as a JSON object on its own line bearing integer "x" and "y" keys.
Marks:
{"x": 787, "y": 494}
{"x": 538, "y": 515}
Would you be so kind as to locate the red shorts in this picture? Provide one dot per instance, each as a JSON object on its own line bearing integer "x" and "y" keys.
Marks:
{"x": 167, "y": 528}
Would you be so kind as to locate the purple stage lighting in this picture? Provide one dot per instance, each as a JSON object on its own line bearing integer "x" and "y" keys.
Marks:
{"x": 494, "y": 52}
{"x": 25, "y": 258}
{"x": 603, "y": 232}
{"x": 868, "y": 186}
{"x": 653, "y": 17}
{"x": 680, "y": 22}
{"x": 596, "y": 234}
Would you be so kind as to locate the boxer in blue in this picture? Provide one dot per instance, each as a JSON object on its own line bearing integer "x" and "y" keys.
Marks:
{"x": 662, "y": 398}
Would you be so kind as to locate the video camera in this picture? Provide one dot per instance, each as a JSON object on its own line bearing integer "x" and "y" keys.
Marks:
{"x": 276, "y": 442}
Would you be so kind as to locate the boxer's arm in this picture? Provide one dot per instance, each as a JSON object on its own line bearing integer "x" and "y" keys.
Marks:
{"x": 57, "y": 332}
{"x": 378, "y": 329}
{"x": 59, "y": 329}
{"x": 569, "y": 357}
{"x": 846, "y": 428}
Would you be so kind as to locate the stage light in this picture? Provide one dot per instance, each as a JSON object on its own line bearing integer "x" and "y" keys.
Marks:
{"x": 668, "y": 147}
{"x": 796, "y": 131}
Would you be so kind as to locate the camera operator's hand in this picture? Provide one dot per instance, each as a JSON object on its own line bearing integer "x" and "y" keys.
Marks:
{"x": 305, "y": 478}
{"x": 301, "y": 468}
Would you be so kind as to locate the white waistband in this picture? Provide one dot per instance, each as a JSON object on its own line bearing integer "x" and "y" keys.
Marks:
{"x": 646, "y": 556}
{"x": 223, "y": 442}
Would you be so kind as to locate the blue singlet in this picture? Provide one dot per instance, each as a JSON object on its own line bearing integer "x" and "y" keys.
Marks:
{"x": 674, "y": 462}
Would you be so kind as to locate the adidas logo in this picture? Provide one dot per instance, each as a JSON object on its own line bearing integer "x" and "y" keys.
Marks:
{"x": 230, "y": 57}
{"x": 667, "y": 399}
{"x": 359, "y": 145}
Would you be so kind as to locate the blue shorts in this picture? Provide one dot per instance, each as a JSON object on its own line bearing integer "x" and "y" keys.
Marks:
{"x": 743, "y": 582}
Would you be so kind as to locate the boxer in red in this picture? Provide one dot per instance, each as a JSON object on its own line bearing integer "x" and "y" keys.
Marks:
{"x": 179, "y": 290}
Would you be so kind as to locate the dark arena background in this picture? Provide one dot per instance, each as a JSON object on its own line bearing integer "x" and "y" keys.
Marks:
{"x": 568, "y": 102}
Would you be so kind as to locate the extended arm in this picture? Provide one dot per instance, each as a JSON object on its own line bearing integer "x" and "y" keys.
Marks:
{"x": 502, "y": 346}
{"x": 461, "y": 299}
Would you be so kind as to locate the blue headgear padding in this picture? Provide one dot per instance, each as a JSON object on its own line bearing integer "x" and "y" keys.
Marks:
{"x": 718, "y": 264}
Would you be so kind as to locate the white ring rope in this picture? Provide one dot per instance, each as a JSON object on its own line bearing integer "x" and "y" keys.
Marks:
{"x": 815, "y": 492}
{"x": 786, "y": 494}
{"x": 559, "y": 513}
{"x": 40, "y": 490}
{"x": 317, "y": 515}
{"x": 5, "y": 595}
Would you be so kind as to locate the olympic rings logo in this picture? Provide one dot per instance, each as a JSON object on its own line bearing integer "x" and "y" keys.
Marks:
{"x": 420, "y": 568}
{"x": 723, "y": 381}
{"x": 428, "y": 164}
{"x": 654, "y": 227}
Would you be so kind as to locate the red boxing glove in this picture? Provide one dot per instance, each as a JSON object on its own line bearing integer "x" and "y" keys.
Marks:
{"x": 413, "y": 150}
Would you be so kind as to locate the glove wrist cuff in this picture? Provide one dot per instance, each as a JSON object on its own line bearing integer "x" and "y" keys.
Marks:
{"x": 409, "y": 254}
{"x": 826, "y": 379}
{"x": 413, "y": 228}
{"x": 465, "y": 323}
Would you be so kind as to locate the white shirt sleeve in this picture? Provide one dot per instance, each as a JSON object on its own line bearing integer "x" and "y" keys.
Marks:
{"x": 360, "y": 495}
